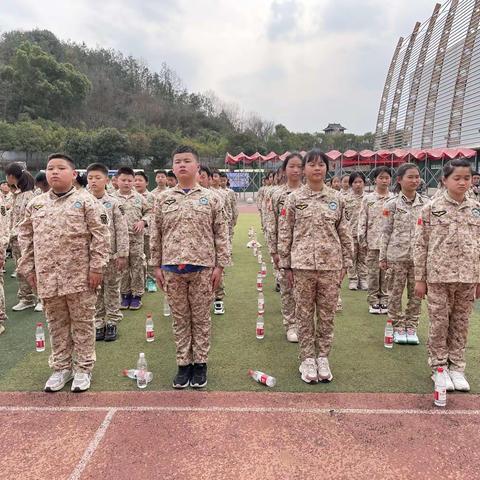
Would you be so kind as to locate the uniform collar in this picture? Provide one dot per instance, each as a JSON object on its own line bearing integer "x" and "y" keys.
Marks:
{"x": 321, "y": 193}
{"x": 196, "y": 188}
{"x": 466, "y": 201}
{"x": 52, "y": 195}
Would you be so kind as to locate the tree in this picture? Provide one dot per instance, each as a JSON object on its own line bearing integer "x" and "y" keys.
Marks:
{"x": 162, "y": 144}
{"x": 110, "y": 146}
{"x": 79, "y": 145}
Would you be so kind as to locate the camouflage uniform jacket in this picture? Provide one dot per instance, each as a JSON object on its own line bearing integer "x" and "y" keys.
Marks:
{"x": 232, "y": 199}
{"x": 189, "y": 228}
{"x": 400, "y": 216}
{"x": 370, "y": 220}
{"x": 353, "y": 203}
{"x": 4, "y": 227}
{"x": 117, "y": 224}
{"x": 62, "y": 239}
{"x": 313, "y": 231}
{"x": 447, "y": 241}
{"x": 136, "y": 207}
{"x": 260, "y": 195}
{"x": 157, "y": 191}
{"x": 17, "y": 212}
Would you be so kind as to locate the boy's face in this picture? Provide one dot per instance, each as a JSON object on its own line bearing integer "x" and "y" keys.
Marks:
{"x": 185, "y": 167}
{"x": 161, "y": 180}
{"x": 140, "y": 184}
{"x": 60, "y": 175}
{"x": 115, "y": 182}
{"x": 125, "y": 183}
{"x": 203, "y": 179}
{"x": 215, "y": 180}
{"x": 97, "y": 181}
{"x": 5, "y": 188}
{"x": 171, "y": 182}
{"x": 223, "y": 182}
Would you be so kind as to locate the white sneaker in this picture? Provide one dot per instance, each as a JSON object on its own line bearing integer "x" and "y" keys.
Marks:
{"x": 374, "y": 309}
{"x": 38, "y": 307}
{"x": 448, "y": 381}
{"x": 58, "y": 380}
{"x": 399, "y": 335}
{"x": 218, "y": 308}
{"x": 13, "y": 274}
{"x": 81, "y": 382}
{"x": 339, "y": 305}
{"x": 353, "y": 284}
{"x": 324, "y": 372}
{"x": 308, "y": 369}
{"x": 459, "y": 381}
{"x": 412, "y": 337}
{"x": 292, "y": 335}
{"x": 21, "y": 305}
{"x": 363, "y": 285}
{"x": 2, "y": 328}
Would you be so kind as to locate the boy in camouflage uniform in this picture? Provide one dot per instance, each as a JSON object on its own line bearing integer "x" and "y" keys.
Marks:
{"x": 190, "y": 248}
{"x": 4, "y": 238}
{"x": 65, "y": 244}
{"x": 107, "y": 309}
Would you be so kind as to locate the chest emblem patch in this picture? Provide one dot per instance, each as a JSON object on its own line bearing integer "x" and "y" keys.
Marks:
{"x": 170, "y": 201}
{"x": 439, "y": 213}
{"x": 301, "y": 206}
{"x": 203, "y": 201}
{"x": 107, "y": 205}
{"x": 332, "y": 205}
{"x": 77, "y": 204}
{"x": 475, "y": 212}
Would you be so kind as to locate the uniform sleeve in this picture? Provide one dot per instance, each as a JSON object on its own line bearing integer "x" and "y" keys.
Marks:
{"x": 221, "y": 236}
{"x": 272, "y": 228}
{"x": 420, "y": 248}
{"x": 343, "y": 230}
{"x": 233, "y": 196}
{"x": 26, "y": 263}
{"x": 285, "y": 232}
{"x": 362, "y": 223}
{"x": 259, "y": 201}
{"x": 156, "y": 236}
{"x": 387, "y": 229}
{"x": 147, "y": 211}
{"x": 121, "y": 231}
{"x": 97, "y": 224}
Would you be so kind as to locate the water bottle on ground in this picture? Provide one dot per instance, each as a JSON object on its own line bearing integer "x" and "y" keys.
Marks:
{"x": 251, "y": 233}
{"x": 166, "y": 307}
{"x": 132, "y": 373}
{"x": 263, "y": 269}
{"x": 388, "y": 337}
{"x": 259, "y": 283}
{"x": 261, "y": 303}
{"x": 149, "y": 330}
{"x": 260, "y": 330}
{"x": 255, "y": 249}
{"x": 40, "y": 338}
{"x": 142, "y": 370}
{"x": 259, "y": 258}
{"x": 440, "y": 392}
{"x": 263, "y": 378}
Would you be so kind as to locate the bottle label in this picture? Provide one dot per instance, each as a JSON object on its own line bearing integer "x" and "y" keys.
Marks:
{"x": 40, "y": 343}
{"x": 260, "y": 331}
{"x": 150, "y": 334}
{"x": 263, "y": 379}
{"x": 388, "y": 340}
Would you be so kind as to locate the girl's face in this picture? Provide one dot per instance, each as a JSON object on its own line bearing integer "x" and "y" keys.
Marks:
{"x": 410, "y": 181}
{"x": 336, "y": 184}
{"x": 345, "y": 184}
{"x": 358, "y": 185}
{"x": 293, "y": 170}
{"x": 11, "y": 180}
{"x": 459, "y": 181}
{"x": 383, "y": 180}
{"x": 316, "y": 170}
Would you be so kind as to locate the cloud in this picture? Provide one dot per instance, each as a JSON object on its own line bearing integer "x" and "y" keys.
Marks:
{"x": 303, "y": 63}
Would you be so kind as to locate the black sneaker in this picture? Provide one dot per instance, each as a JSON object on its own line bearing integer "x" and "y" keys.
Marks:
{"x": 100, "y": 334}
{"x": 182, "y": 378}
{"x": 199, "y": 377}
{"x": 277, "y": 287}
{"x": 110, "y": 332}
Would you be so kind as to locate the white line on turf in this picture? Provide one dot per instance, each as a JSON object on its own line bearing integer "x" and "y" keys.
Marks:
{"x": 316, "y": 411}
{"x": 92, "y": 446}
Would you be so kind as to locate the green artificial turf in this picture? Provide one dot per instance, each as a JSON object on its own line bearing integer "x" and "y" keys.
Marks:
{"x": 358, "y": 360}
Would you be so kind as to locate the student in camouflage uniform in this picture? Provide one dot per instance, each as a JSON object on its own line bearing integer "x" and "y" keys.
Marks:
{"x": 345, "y": 185}
{"x": 400, "y": 215}
{"x": 161, "y": 181}
{"x": 370, "y": 223}
{"x": 293, "y": 168}
{"x": 447, "y": 270}
{"x": 4, "y": 239}
{"x": 232, "y": 200}
{"x": 190, "y": 248}
{"x": 357, "y": 273}
{"x": 107, "y": 308}
{"x": 65, "y": 244}
{"x": 315, "y": 249}
{"x": 137, "y": 212}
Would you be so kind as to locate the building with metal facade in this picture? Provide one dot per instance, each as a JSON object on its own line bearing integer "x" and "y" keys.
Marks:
{"x": 431, "y": 97}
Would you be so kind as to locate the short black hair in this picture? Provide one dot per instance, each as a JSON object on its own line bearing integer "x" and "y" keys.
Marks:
{"x": 204, "y": 168}
{"x": 449, "y": 167}
{"x": 82, "y": 180}
{"x": 125, "y": 171}
{"x": 141, "y": 173}
{"x": 63, "y": 156}
{"x": 215, "y": 171}
{"x": 382, "y": 169}
{"x": 171, "y": 174}
{"x": 25, "y": 181}
{"x": 315, "y": 154}
{"x": 223, "y": 175}
{"x": 40, "y": 177}
{"x": 185, "y": 149}
{"x": 355, "y": 175}
{"x": 97, "y": 167}
{"x": 475, "y": 173}
{"x": 160, "y": 172}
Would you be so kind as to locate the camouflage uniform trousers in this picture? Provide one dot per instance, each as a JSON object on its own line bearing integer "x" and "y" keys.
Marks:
{"x": 71, "y": 326}
{"x": 147, "y": 269}
{"x": 133, "y": 278}
{"x": 377, "y": 280}
{"x": 399, "y": 274}
{"x": 318, "y": 290}
{"x": 220, "y": 291}
{"x": 358, "y": 271}
{"x": 449, "y": 309}
{"x": 3, "y": 315}
{"x": 190, "y": 296}
{"x": 107, "y": 308}
{"x": 25, "y": 292}
{"x": 287, "y": 301}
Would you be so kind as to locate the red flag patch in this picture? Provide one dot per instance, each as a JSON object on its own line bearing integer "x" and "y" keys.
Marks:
{"x": 419, "y": 221}
{"x": 386, "y": 213}
{"x": 283, "y": 213}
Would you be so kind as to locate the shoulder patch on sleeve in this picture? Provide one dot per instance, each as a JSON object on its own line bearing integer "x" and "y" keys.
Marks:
{"x": 170, "y": 201}
{"x": 104, "y": 218}
{"x": 419, "y": 221}
{"x": 122, "y": 209}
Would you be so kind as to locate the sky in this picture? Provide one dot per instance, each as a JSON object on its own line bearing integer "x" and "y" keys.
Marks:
{"x": 302, "y": 63}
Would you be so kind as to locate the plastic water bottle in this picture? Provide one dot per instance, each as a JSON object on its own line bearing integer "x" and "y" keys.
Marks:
{"x": 263, "y": 270}
{"x": 261, "y": 303}
{"x": 251, "y": 233}
{"x": 149, "y": 330}
{"x": 388, "y": 337}
{"x": 263, "y": 378}
{"x": 166, "y": 307}
{"x": 255, "y": 249}
{"x": 259, "y": 283}
{"x": 142, "y": 370}
{"x": 259, "y": 258}
{"x": 260, "y": 330}
{"x": 132, "y": 373}
{"x": 440, "y": 392}
{"x": 40, "y": 338}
